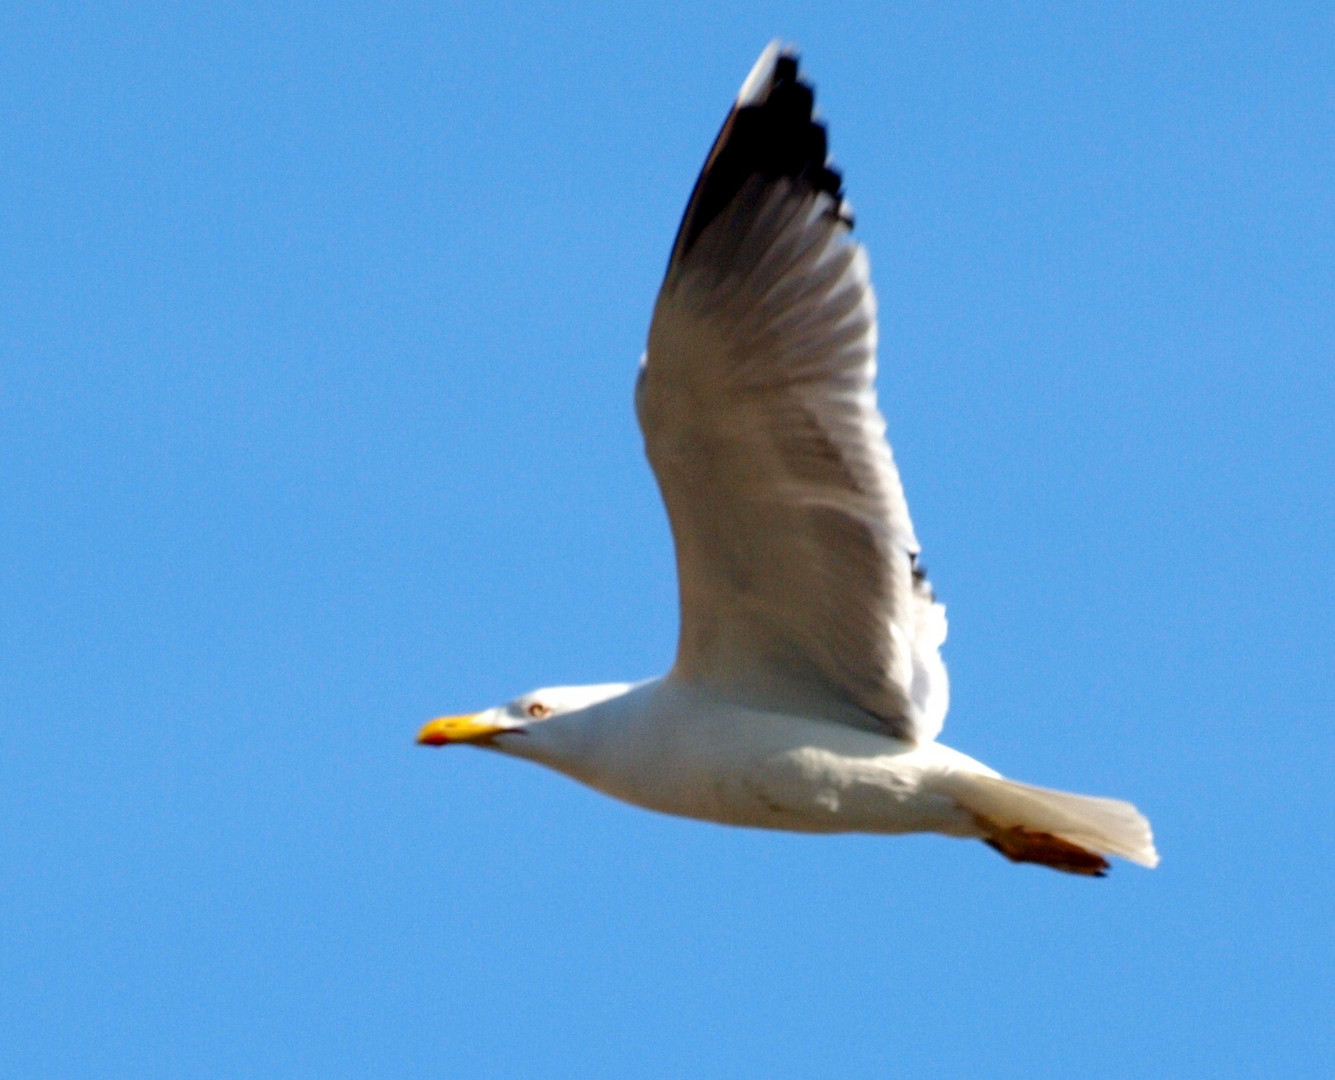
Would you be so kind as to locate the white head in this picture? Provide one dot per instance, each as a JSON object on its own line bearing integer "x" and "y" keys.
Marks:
{"x": 519, "y": 717}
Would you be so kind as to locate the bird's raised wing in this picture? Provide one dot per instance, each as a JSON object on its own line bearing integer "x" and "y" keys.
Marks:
{"x": 796, "y": 558}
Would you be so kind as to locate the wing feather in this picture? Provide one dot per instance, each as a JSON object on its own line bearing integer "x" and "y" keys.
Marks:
{"x": 797, "y": 560}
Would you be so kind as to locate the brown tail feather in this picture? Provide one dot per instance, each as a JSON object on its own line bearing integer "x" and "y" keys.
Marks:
{"x": 1022, "y": 845}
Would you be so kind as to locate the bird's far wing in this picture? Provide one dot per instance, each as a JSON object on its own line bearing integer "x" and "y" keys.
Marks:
{"x": 796, "y": 558}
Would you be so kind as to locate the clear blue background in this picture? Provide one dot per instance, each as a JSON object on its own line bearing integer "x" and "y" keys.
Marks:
{"x": 318, "y": 326}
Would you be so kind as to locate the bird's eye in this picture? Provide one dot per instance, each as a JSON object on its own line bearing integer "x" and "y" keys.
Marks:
{"x": 538, "y": 710}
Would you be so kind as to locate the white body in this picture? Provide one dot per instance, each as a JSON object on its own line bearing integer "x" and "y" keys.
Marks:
{"x": 680, "y": 751}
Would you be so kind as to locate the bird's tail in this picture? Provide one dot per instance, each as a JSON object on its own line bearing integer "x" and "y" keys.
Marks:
{"x": 1054, "y": 828}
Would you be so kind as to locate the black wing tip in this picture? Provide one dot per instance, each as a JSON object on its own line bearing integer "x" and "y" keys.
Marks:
{"x": 771, "y": 131}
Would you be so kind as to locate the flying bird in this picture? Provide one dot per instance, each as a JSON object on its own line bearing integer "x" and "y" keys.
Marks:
{"x": 808, "y": 688}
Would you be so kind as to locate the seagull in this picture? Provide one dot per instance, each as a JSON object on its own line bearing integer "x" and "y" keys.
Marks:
{"x": 808, "y": 688}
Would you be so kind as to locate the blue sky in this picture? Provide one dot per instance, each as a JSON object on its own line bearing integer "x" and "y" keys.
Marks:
{"x": 318, "y": 331}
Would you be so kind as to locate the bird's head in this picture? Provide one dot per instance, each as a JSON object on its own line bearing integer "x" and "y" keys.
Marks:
{"x": 518, "y": 717}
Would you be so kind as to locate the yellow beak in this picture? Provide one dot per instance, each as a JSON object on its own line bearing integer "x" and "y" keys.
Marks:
{"x": 457, "y": 729}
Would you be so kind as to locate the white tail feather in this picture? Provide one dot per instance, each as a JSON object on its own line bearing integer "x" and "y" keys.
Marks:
{"x": 1105, "y": 826}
